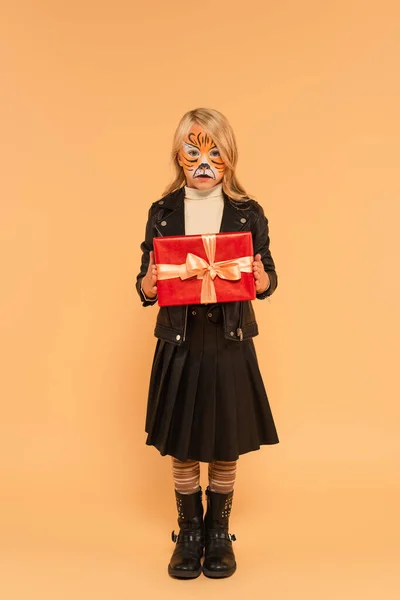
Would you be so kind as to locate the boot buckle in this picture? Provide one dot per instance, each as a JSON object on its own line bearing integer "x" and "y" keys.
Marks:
{"x": 174, "y": 536}
{"x": 232, "y": 537}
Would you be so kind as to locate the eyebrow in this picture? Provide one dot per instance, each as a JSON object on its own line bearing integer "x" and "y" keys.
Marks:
{"x": 190, "y": 145}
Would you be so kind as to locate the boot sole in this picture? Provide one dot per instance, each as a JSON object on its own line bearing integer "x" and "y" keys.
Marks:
{"x": 178, "y": 574}
{"x": 218, "y": 574}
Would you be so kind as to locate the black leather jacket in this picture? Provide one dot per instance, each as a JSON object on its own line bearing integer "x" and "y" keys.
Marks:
{"x": 167, "y": 217}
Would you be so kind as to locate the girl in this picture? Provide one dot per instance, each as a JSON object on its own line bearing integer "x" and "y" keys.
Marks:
{"x": 207, "y": 401}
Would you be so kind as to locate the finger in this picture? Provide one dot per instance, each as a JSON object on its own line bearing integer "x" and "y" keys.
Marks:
{"x": 257, "y": 257}
{"x": 151, "y": 257}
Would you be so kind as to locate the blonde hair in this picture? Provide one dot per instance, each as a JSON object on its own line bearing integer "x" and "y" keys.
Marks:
{"x": 219, "y": 128}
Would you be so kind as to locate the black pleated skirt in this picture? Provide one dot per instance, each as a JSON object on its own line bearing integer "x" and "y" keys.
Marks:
{"x": 207, "y": 399}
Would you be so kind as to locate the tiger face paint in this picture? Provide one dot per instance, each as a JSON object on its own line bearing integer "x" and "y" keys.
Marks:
{"x": 200, "y": 159}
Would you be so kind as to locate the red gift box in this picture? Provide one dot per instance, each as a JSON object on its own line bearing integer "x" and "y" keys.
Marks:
{"x": 204, "y": 269}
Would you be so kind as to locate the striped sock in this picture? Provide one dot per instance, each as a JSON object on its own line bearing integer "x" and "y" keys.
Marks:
{"x": 186, "y": 475}
{"x": 221, "y": 476}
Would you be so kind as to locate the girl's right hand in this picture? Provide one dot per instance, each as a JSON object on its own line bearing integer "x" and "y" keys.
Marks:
{"x": 149, "y": 281}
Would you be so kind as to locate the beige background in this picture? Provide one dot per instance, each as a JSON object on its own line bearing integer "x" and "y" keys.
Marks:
{"x": 91, "y": 93}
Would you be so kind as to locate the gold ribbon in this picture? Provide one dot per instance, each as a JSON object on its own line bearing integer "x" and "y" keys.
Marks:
{"x": 195, "y": 266}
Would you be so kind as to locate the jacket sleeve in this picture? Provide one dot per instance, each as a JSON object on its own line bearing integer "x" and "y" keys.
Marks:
{"x": 146, "y": 246}
{"x": 261, "y": 243}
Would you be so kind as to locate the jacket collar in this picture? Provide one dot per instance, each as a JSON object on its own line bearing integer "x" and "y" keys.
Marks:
{"x": 235, "y": 215}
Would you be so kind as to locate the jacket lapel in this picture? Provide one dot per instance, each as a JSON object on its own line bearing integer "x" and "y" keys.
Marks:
{"x": 172, "y": 221}
{"x": 233, "y": 217}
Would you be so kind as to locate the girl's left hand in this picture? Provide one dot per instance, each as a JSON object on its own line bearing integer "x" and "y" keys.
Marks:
{"x": 260, "y": 276}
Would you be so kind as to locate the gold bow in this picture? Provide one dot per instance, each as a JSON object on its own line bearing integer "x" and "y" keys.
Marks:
{"x": 195, "y": 266}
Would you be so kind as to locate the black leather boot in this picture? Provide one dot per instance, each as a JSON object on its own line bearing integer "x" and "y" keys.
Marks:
{"x": 219, "y": 560}
{"x": 185, "y": 560}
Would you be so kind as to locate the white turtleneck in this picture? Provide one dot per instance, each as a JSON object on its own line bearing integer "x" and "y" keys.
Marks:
{"x": 203, "y": 210}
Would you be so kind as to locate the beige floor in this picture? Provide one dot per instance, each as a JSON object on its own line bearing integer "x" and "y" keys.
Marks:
{"x": 325, "y": 539}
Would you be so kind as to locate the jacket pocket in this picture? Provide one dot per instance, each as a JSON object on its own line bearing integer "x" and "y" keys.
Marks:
{"x": 250, "y": 330}
{"x": 163, "y": 317}
{"x": 168, "y": 334}
{"x": 249, "y": 316}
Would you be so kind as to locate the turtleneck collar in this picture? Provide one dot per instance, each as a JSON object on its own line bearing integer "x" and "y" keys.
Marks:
{"x": 195, "y": 194}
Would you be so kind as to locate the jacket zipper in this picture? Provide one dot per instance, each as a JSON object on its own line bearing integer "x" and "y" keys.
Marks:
{"x": 184, "y": 330}
{"x": 239, "y": 331}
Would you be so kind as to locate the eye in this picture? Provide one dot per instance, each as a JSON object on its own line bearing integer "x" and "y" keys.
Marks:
{"x": 191, "y": 150}
{"x": 214, "y": 153}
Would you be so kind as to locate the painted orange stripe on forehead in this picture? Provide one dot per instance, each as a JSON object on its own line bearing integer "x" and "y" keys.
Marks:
{"x": 199, "y": 140}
